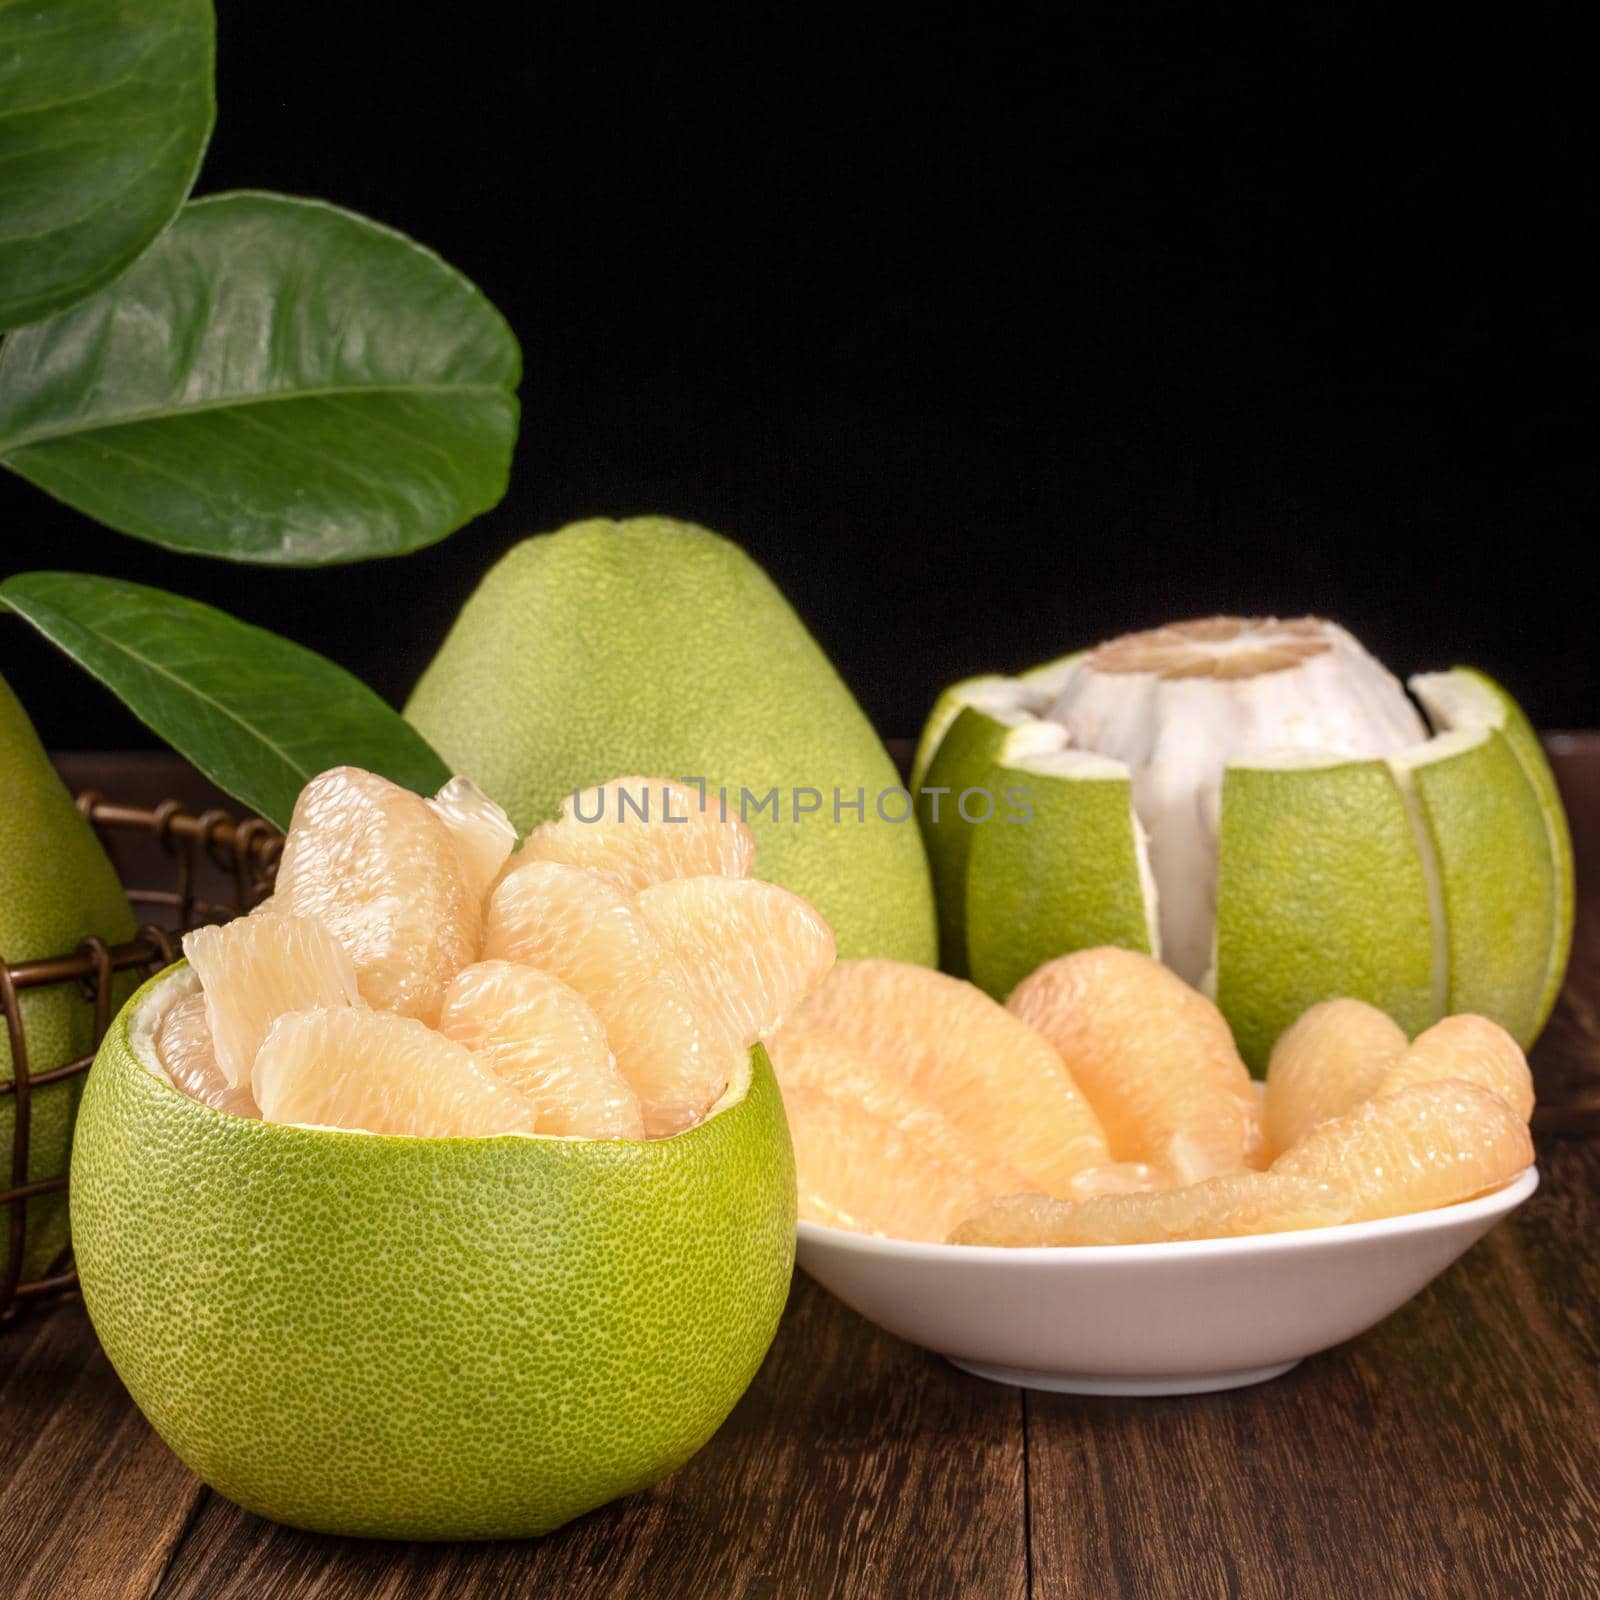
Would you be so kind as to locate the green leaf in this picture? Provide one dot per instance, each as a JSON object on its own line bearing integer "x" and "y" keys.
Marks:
{"x": 257, "y": 714}
{"x": 275, "y": 381}
{"x": 105, "y": 109}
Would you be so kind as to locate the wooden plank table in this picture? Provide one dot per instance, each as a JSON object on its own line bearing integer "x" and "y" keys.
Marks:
{"x": 1453, "y": 1451}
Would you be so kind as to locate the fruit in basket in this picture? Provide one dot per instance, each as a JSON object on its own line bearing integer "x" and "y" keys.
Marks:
{"x": 996, "y": 1080}
{"x": 1258, "y": 804}
{"x": 425, "y": 1337}
{"x": 56, "y": 889}
{"x": 1153, "y": 1056}
{"x": 654, "y": 646}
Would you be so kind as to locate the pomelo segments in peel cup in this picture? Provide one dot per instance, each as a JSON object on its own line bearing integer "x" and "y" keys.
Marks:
{"x": 425, "y": 1338}
{"x": 1343, "y": 847}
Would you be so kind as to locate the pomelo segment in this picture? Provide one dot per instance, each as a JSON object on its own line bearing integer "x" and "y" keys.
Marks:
{"x": 378, "y": 865}
{"x": 591, "y": 935}
{"x": 1321, "y": 893}
{"x": 481, "y": 830}
{"x": 638, "y": 831}
{"x": 1061, "y": 865}
{"x": 1154, "y": 1058}
{"x": 1326, "y": 1064}
{"x": 257, "y": 967}
{"x": 183, "y": 1047}
{"x": 1431, "y": 1144}
{"x": 380, "y": 1073}
{"x": 994, "y": 1078}
{"x": 1219, "y": 1208}
{"x": 858, "y": 1172}
{"x": 542, "y": 1038}
{"x": 827, "y": 1065}
{"x": 750, "y": 951}
{"x": 1472, "y": 1050}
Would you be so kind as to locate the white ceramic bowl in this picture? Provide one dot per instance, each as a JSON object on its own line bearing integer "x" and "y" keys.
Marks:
{"x": 1149, "y": 1318}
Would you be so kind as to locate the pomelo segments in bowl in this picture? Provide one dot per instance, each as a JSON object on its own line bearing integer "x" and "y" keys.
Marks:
{"x": 1260, "y": 805}
{"x": 424, "y": 1338}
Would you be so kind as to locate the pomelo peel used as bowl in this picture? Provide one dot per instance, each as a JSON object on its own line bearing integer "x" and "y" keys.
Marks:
{"x": 1377, "y": 1126}
{"x": 1260, "y": 805}
{"x": 408, "y": 1337}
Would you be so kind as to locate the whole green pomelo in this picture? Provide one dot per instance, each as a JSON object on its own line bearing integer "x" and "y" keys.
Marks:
{"x": 655, "y": 647}
{"x": 56, "y": 889}
{"x": 424, "y": 1338}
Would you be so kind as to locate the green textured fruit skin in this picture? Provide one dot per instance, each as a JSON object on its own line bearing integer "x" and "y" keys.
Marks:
{"x": 426, "y": 1338}
{"x": 651, "y": 646}
{"x": 1320, "y": 894}
{"x": 1496, "y": 903}
{"x": 1066, "y": 878}
{"x": 57, "y": 889}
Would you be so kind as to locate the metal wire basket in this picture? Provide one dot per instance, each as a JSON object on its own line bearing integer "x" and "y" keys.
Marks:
{"x": 215, "y": 868}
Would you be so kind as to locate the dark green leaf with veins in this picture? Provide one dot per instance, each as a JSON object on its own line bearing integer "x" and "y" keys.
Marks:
{"x": 105, "y": 109}
{"x": 274, "y": 380}
{"x": 254, "y": 712}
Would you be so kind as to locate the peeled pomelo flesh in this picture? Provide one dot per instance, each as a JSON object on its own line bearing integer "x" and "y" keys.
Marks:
{"x": 591, "y": 935}
{"x": 1470, "y": 1049}
{"x": 184, "y": 1049}
{"x": 257, "y": 967}
{"x": 996, "y": 1080}
{"x": 1325, "y": 1064}
{"x": 750, "y": 951}
{"x": 541, "y": 1037}
{"x": 372, "y": 1070}
{"x": 1217, "y": 1208}
{"x": 858, "y": 1172}
{"x": 1178, "y": 704}
{"x": 1432, "y": 1144}
{"x": 379, "y": 866}
{"x": 819, "y": 1062}
{"x": 483, "y": 832}
{"x": 639, "y": 831}
{"x": 1154, "y": 1058}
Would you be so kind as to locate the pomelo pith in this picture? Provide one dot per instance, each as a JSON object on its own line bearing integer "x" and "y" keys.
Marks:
{"x": 417, "y": 1337}
{"x": 654, "y": 646}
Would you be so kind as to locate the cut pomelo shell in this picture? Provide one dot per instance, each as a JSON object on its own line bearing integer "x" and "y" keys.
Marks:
{"x": 482, "y": 831}
{"x": 750, "y": 951}
{"x": 591, "y": 935}
{"x": 380, "y": 1073}
{"x": 996, "y": 1080}
{"x": 541, "y": 1037}
{"x": 638, "y": 831}
{"x": 1471, "y": 1050}
{"x": 1218, "y": 1208}
{"x": 858, "y": 1172}
{"x": 1432, "y": 1144}
{"x": 1326, "y": 1064}
{"x": 380, "y": 867}
{"x": 257, "y": 967}
{"x": 1154, "y": 1058}
{"x": 818, "y": 1061}
{"x": 183, "y": 1047}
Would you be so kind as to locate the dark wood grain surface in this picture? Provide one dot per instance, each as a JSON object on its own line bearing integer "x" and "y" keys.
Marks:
{"x": 1454, "y": 1451}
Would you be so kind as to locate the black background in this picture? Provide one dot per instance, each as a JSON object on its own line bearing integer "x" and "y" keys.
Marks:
{"x": 987, "y": 340}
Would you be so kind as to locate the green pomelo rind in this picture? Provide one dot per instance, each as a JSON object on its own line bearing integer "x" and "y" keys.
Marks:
{"x": 57, "y": 888}
{"x": 1321, "y": 893}
{"x": 1065, "y": 879}
{"x": 950, "y": 704}
{"x": 655, "y": 647}
{"x": 1497, "y": 880}
{"x": 964, "y": 760}
{"x": 1508, "y": 717}
{"x": 426, "y": 1338}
